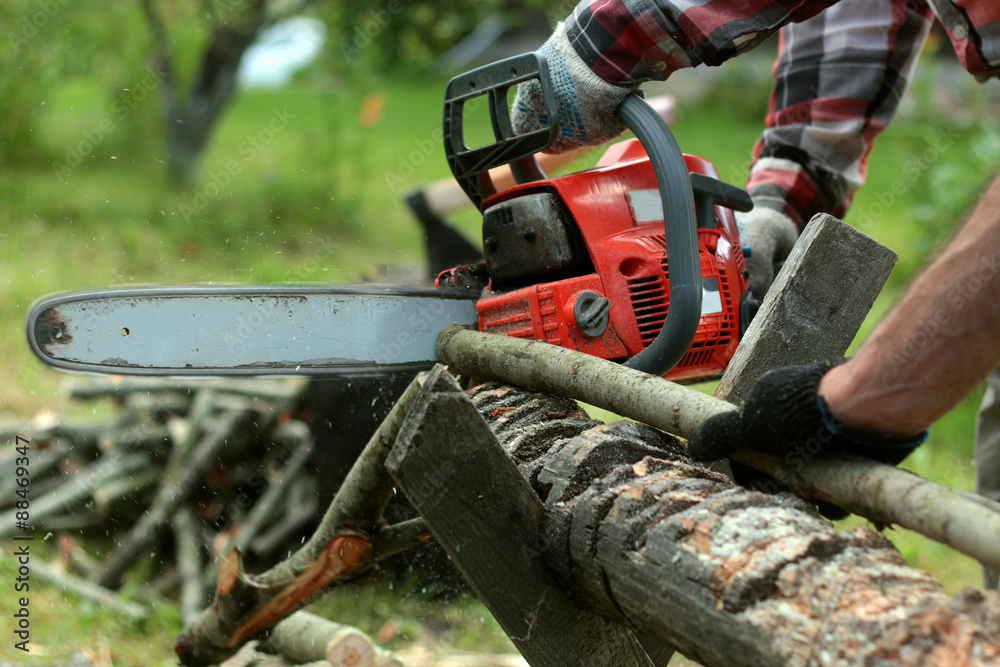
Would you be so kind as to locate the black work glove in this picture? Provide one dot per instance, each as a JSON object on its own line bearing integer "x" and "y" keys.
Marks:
{"x": 785, "y": 417}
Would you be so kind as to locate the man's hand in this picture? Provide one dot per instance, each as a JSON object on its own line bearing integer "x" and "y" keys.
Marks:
{"x": 770, "y": 236}
{"x": 587, "y": 103}
{"x": 785, "y": 416}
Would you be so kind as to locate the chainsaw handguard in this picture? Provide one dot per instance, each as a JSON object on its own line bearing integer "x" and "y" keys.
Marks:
{"x": 681, "y": 230}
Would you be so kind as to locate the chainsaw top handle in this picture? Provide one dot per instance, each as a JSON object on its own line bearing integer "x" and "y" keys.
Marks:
{"x": 471, "y": 166}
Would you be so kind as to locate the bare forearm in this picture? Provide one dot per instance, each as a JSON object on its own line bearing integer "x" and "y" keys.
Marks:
{"x": 936, "y": 344}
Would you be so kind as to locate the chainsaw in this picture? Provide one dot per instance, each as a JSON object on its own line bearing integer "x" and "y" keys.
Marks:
{"x": 636, "y": 260}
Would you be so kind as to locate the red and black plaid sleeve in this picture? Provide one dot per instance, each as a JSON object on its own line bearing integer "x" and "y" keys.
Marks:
{"x": 839, "y": 79}
{"x": 629, "y": 41}
{"x": 841, "y": 72}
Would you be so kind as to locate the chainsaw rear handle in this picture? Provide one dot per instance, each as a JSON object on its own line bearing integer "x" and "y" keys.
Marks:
{"x": 677, "y": 186}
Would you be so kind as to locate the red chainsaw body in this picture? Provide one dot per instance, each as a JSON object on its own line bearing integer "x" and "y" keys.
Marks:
{"x": 617, "y": 209}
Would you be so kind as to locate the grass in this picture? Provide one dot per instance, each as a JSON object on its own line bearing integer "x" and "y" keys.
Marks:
{"x": 320, "y": 200}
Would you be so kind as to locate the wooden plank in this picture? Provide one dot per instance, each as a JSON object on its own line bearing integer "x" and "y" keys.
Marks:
{"x": 815, "y": 306}
{"x": 483, "y": 511}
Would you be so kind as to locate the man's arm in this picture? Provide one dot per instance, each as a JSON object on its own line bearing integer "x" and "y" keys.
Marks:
{"x": 838, "y": 82}
{"x": 936, "y": 344}
{"x": 606, "y": 48}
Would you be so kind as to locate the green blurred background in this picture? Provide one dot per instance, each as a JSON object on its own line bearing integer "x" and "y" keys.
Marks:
{"x": 304, "y": 182}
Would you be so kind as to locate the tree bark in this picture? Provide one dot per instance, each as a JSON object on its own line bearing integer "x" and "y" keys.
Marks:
{"x": 729, "y": 576}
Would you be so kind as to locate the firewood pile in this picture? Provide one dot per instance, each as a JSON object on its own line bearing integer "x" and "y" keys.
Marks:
{"x": 203, "y": 465}
{"x": 185, "y": 470}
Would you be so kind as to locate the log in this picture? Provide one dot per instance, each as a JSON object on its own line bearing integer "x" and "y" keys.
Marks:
{"x": 198, "y": 418}
{"x": 158, "y": 403}
{"x": 884, "y": 494}
{"x": 188, "y": 543}
{"x": 806, "y": 315}
{"x": 305, "y": 638}
{"x": 730, "y": 576}
{"x": 155, "y": 437}
{"x": 485, "y": 515}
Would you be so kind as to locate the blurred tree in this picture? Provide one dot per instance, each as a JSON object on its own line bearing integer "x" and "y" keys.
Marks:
{"x": 196, "y": 47}
{"x": 192, "y": 107}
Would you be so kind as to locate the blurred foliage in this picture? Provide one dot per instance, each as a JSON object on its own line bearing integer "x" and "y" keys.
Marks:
{"x": 52, "y": 42}
{"x": 375, "y": 36}
{"x": 954, "y": 133}
{"x": 322, "y": 202}
{"x": 48, "y": 43}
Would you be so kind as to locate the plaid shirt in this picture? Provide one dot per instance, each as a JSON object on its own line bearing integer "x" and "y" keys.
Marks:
{"x": 841, "y": 71}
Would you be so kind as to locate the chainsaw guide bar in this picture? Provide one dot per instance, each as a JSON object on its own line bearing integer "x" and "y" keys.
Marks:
{"x": 246, "y": 330}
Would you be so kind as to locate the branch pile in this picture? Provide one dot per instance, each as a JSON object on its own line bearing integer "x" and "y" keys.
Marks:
{"x": 189, "y": 469}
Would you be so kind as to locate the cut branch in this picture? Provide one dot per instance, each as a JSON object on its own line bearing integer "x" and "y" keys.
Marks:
{"x": 173, "y": 492}
{"x": 88, "y": 590}
{"x": 304, "y": 638}
{"x": 246, "y": 606}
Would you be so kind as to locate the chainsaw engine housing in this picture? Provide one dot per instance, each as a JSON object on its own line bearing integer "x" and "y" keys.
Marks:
{"x": 580, "y": 261}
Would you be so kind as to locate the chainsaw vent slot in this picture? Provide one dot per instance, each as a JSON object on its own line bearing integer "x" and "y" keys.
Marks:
{"x": 653, "y": 242}
{"x": 649, "y": 303}
{"x": 696, "y": 357}
{"x": 651, "y": 299}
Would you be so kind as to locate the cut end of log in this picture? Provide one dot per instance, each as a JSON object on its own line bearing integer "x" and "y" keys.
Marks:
{"x": 351, "y": 551}
{"x": 350, "y": 648}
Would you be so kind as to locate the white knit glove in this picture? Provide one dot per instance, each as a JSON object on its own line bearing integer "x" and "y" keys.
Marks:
{"x": 770, "y": 235}
{"x": 586, "y": 102}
